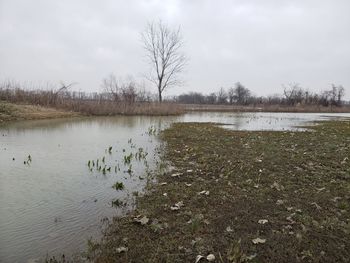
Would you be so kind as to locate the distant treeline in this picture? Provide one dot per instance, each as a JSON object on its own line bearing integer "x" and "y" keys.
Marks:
{"x": 129, "y": 97}
{"x": 293, "y": 95}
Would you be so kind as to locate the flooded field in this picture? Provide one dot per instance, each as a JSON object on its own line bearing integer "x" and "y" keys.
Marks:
{"x": 256, "y": 121}
{"x": 56, "y": 176}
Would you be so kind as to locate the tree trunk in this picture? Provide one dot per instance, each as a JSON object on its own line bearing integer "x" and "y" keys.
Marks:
{"x": 160, "y": 91}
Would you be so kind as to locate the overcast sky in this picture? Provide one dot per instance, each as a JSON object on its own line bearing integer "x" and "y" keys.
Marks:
{"x": 262, "y": 44}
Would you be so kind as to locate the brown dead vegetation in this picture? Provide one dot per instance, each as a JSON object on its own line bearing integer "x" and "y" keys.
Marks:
{"x": 15, "y": 112}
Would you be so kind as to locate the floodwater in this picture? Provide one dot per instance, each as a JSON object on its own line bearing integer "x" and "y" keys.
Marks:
{"x": 56, "y": 202}
{"x": 255, "y": 121}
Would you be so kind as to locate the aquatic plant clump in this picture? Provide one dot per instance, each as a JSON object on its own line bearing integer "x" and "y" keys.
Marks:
{"x": 117, "y": 203}
{"x": 118, "y": 186}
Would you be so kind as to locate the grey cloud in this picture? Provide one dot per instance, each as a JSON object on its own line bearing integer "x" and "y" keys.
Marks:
{"x": 263, "y": 44}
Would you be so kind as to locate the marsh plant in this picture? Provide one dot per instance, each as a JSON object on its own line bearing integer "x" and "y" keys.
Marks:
{"x": 130, "y": 157}
{"x": 118, "y": 186}
{"x": 28, "y": 161}
{"x": 141, "y": 154}
{"x": 152, "y": 130}
{"x": 118, "y": 203}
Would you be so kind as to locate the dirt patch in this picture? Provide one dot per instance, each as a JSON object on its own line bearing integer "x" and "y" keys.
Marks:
{"x": 15, "y": 112}
{"x": 242, "y": 197}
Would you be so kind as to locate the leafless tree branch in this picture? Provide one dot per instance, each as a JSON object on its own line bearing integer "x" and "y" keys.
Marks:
{"x": 163, "y": 49}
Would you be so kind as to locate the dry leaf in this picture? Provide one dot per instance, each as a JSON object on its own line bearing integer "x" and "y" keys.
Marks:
{"x": 121, "y": 249}
{"x": 316, "y": 205}
{"x": 258, "y": 240}
{"x": 251, "y": 257}
{"x": 229, "y": 229}
{"x": 211, "y": 257}
{"x": 277, "y": 186}
{"x": 321, "y": 189}
{"x": 143, "y": 220}
{"x": 344, "y": 161}
{"x": 177, "y": 206}
{"x": 263, "y": 221}
{"x": 198, "y": 258}
{"x": 279, "y": 202}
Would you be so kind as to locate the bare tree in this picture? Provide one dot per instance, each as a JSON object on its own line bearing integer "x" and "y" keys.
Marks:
{"x": 120, "y": 90}
{"x": 163, "y": 47}
{"x": 211, "y": 98}
{"x": 61, "y": 92}
{"x": 336, "y": 94}
{"x": 64, "y": 87}
{"x": 144, "y": 95}
{"x": 231, "y": 95}
{"x": 242, "y": 94}
{"x": 294, "y": 94}
{"x": 340, "y": 95}
{"x": 111, "y": 86}
{"x": 222, "y": 96}
{"x": 129, "y": 92}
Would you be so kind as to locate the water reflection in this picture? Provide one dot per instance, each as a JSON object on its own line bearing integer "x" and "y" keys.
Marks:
{"x": 56, "y": 203}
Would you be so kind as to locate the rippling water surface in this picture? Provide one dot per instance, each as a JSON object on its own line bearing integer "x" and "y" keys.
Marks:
{"x": 56, "y": 203}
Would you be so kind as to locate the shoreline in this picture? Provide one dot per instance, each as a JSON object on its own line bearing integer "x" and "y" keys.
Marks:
{"x": 10, "y": 112}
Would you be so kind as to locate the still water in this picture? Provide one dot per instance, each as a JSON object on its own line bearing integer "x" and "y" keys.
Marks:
{"x": 55, "y": 202}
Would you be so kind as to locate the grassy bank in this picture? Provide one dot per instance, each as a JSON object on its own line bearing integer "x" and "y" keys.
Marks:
{"x": 15, "y": 112}
{"x": 243, "y": 197}
{"x": 24, "y": 111}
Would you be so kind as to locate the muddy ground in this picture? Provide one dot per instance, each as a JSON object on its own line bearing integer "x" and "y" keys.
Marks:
{"x": 241, "y": 196}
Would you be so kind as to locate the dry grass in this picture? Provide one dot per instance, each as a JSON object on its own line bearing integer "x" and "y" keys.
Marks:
{"x": 98, "y": 104}
{"x": 110, "y": 108}
{"x": 13, "y": 112}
